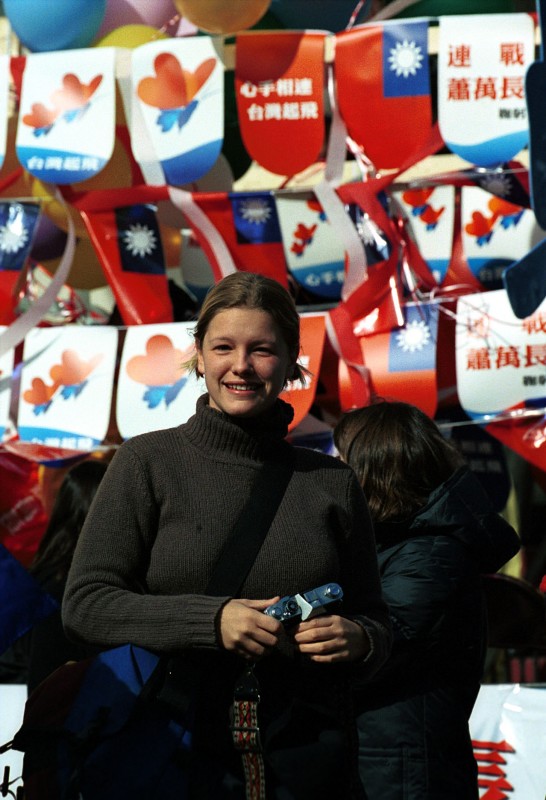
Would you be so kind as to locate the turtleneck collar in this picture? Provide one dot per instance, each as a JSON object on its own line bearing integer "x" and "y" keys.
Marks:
{"x": 224, "y": 437}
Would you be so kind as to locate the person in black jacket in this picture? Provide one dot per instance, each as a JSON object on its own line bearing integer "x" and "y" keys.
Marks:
{"x": 45, "y": 647}
{"x": 436, "y": 534}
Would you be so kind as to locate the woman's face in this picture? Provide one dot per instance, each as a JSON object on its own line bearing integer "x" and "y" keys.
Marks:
{"x": 245, "y": 361}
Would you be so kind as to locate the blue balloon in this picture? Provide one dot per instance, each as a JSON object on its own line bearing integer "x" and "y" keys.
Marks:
{"x": 45, "y": 25}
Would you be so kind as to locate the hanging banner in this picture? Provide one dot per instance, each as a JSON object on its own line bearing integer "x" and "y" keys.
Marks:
{"x": 6, "y": 370}
{"x": 248, "y": 224}
{"x": 500, "y": 359}
{"x": 18, "y": 223}
{"x": 481, "y": 99}
{"x": 507, "y": 729}
{"x": 4, "y": 104}
{"x": 66, "y": 386}
{"x": 402, "y": 362}
{"x": 495, "y": 233}
{"x": 279, "y": 88}
{"x": 312, "y": 248}
{"x": 430, "y": 216}
{"x": 300, "y": 397}
{"x": 127, "y": 240}
{"x": 155, "y": 390}
{"x": 382, "y": 75}
{"x": 178, "y": 89}
{"x": 66, "y": 127}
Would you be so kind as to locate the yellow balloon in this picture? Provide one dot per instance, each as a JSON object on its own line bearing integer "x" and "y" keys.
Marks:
{"x": 219, "y": 16}
{"x": 130, "y": 36}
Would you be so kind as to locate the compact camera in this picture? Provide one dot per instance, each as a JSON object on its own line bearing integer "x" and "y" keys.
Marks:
{"x": 296, "y": 608}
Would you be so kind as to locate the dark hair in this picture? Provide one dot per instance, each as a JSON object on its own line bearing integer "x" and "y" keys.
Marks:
{"x": 251, "y": 290}
{"x": 69, "y": 511}
{"x": 399, "y": 456}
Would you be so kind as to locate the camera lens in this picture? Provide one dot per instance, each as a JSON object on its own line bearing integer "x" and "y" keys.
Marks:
{"x": 291, "y": 607}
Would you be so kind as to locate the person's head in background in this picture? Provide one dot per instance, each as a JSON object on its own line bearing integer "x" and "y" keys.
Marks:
{"x": 398, "y": 454}
{"x": 68, "y": 514}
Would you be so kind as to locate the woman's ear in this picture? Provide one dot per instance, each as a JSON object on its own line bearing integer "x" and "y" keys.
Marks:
{"x": 200, "y": 362}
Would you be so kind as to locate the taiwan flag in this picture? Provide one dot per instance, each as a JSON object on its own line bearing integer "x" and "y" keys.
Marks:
{"x": 128, "y": 243}
{"x": 383, "y": 89}
{"x": 249, "y": 226}
{"x": 402, "y": 362}
{"x": 18, "y": 223}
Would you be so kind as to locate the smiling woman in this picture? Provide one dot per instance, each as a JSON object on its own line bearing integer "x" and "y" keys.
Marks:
{"x": 166, "y": 509}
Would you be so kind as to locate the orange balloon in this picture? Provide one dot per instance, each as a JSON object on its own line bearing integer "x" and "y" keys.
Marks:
{"x": 219, "y": 16}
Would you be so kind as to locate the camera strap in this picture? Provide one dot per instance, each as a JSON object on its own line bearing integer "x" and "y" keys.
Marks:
{"x": 243, "y": 546}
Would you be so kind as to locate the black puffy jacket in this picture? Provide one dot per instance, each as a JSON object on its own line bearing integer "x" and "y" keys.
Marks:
{"x": 414, "y": 741}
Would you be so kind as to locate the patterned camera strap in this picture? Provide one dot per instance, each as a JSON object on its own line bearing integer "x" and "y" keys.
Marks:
{"x": 246, "y": 733}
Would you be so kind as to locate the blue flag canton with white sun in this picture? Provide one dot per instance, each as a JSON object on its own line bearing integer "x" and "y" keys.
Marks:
{"x": 405, "y": 60}
{"x": 17, "y": 225}
{"x": 139, "y": 240}
{"x": 255, "y": 218}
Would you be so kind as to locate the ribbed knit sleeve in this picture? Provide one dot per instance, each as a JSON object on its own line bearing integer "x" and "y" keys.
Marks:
{"x": 107, "y": 600}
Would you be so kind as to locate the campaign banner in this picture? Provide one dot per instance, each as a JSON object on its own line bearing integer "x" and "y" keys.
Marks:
{"x": 155, "y": 390}
{"x": 248, "y": 224}
{"x": 178, "y": 87}
{"x": 314, "y": 254}
{"x": 507, "y": 729}
{"x": 382, "y": 74}
{"x": 500, "y": 358}
{"x": 495, "y": 233}
{"x": 6, "y": 371}
{"x": 430, "y": 217}
{"x": 4, "y": 104}
{"x": 128, "y": 243}
{"x": 66, "y": 128}
{"x": 67, "y": 383}
{"x": 301, "y": 397}
{"x": 482, "y": 111}
{"x": 279, "y": 89}
{"x": 402, "y": 362}
{"x": 18, "y": 224}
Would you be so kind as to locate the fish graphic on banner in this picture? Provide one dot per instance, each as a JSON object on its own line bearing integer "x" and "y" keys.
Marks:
{"x": 18, "y": 223}
{"x": 387, "y": 68}
{"x": 66, "y": 128}
{"x": 495, "y": 233}
{"x": 249, "y": 225}
{"x": 403, "y": 361}
{"x": 67, "y": 382}
{"x": 279, "y": 88}
{"x": 179, "y": 89}
{"x": 430, "y": 215}
{"x": 127, "y": 240}
{"x": 313, "y": 251}
{"x": 155, "y": 389}
{"x": 482, "y": 112}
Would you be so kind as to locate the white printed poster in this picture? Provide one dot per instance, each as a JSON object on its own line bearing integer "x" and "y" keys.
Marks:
{"x": 66, "y": 126}
{"x": 155, "y": 390}
{"x": 67, "y": 383}
{"x": 6, "y": 371}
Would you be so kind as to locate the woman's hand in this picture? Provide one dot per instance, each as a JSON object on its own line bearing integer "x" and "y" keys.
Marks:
{"x": 246, "y": 630}
{"x": 332, "y": 639}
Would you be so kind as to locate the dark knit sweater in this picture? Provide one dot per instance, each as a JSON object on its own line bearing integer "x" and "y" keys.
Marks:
{"x": 162, "y": 515}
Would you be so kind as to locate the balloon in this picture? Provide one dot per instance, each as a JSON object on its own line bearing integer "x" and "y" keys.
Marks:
{"x": 131, "y": 36}
{"x": 157, "y": 13}
{"x": 49, "y": 240}
{"x": 57, "y": 25}
{"x": 219, "y": 16}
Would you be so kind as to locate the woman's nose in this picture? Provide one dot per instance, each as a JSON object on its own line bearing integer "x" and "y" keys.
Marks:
{"x": 243, "y": 361}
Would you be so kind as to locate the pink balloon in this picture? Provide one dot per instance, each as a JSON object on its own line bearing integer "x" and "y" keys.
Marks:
{"x": 156, "y": 13}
